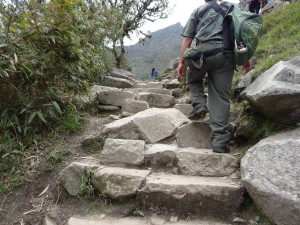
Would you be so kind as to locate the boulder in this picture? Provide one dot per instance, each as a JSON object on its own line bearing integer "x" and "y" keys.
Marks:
{"x": 271, "y": 174}
{"x": 276, "y": 93}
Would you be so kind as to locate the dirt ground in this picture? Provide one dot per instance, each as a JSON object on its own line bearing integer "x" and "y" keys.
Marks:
{"x": 26, "y": 205}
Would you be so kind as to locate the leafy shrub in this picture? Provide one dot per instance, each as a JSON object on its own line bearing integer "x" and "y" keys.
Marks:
{"x": 50, "y": 52}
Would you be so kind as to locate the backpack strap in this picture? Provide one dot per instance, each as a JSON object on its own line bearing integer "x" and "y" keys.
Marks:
{"x": 228, "y": 29}
{"x": 205, "y": 10}
{"x": 217, "y": 8}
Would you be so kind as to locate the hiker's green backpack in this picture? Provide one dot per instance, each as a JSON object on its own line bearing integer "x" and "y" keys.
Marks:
{"x": 241, "y": 31}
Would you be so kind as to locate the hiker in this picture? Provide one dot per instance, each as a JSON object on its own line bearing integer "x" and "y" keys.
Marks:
{"x": 219, "y": 66}
{"x": 154, "y": 74}
{"x": 254, "y": 6}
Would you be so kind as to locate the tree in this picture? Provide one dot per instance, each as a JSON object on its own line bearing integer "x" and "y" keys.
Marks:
{"x": 125, "y": 17}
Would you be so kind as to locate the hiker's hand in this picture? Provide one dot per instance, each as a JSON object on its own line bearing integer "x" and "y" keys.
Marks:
{"x": 180, "y": 71}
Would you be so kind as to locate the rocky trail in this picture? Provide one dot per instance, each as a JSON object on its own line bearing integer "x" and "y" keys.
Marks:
{"x": 153, "y": 158}
{"x": 148, "y": 160}
{"x": 146, "y": 164}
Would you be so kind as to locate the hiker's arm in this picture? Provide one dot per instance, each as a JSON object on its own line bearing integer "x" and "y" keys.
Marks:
{"x": 186, "y": 43}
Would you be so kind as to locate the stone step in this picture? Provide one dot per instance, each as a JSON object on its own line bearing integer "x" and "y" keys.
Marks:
{"x": 148, "y": 85}
{"x": 120, "y": 182}
{"x": 189, "y": 161}
{"x": 213, "y": 197}
{"x": 203, "y": 162}
{"x": 151, "y": 90}
{"x": 151, "y": 125}
{"x": 99, "y": 220}
{"x": 157, "y": 100}
{"x": 186, "y": 109}
{"x": 195, "y": 134}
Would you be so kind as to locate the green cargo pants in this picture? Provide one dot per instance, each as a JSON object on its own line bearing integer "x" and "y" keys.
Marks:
{"x": 219, "y": 69}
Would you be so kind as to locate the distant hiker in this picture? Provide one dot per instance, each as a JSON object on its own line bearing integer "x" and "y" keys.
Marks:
{"x": 154, "y": 74}
{"x": 205, "y": 26}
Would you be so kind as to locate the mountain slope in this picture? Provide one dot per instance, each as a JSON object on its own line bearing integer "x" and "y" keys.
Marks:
{"x": 157, "y": 52}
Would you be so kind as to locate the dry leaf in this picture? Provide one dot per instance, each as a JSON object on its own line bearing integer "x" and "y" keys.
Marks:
{"x": 25, "y": 213}
{"x": 16, "y": 58}
{"x": 45, "y": 190}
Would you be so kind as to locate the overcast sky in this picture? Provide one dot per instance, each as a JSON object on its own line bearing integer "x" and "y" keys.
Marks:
{"x": 181, "y": 13}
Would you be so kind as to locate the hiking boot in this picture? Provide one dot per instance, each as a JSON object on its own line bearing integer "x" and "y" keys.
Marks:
{"x": 199, "y": 111}
{"x": 221, "y": 149}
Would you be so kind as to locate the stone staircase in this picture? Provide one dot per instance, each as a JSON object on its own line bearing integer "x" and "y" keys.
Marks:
{"x": 158, "y": 158}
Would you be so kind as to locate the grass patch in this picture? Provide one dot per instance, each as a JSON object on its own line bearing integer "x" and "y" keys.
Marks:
{"x": 52, "y": 160}
{"x": 251, "y": 214}
{"x": 24, "y": 149}
{"x": 86, "y": 189}
{"x": 262, "y": 126}
{"x": 71, "y": 123}
{"x": 280, "y": 39}
{"x": 138, "y": 212}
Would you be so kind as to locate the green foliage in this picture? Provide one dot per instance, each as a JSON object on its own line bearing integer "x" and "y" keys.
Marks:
{"x": 167, "y": 70}
{"x": 259, "y": 126}
{"x": 86, "y": 189}
{"x": 71, "y": 122}
{"x": 281, "y": 38}
{"x": 280, "y": 41}
{"x": 252, "y": 214}
{"x": 137, "y": 212}
{"x": 50, "y": 53}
